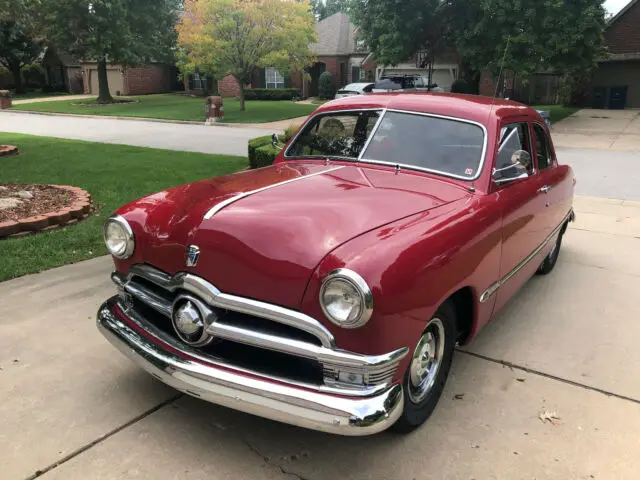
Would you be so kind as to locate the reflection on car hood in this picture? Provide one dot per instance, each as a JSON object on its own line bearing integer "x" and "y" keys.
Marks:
{"x": 266, "y": 245}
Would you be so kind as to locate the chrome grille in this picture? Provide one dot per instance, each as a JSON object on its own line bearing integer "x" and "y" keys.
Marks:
{"x": 258, "y": 336}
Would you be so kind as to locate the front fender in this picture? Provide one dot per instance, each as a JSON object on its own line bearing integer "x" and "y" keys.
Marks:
{"x": 412, "y": 266}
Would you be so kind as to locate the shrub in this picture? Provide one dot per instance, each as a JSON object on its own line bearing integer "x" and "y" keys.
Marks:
{"x": 325, "y": 85}
{"x": 290, "y": 132}
{"x": 461, "y": 86}
{"x": 266, "y": 155}
{"x": 271, "y": 93}
{"x": 254, "y": 144}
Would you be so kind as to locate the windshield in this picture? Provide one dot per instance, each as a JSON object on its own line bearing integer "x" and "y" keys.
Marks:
{"x": 340, "y": 134}
{"x": 441, "y": 145}
{"x": 452, "y": 147}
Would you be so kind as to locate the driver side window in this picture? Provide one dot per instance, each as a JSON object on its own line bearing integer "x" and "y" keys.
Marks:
{"x": 513, "y": 137}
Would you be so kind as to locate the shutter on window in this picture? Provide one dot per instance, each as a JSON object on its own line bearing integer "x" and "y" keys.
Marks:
{"x": 263, "y": 78}
{"x": 287, "y": 81}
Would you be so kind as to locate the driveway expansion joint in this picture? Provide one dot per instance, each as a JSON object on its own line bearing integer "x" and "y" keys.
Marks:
{"x": 102, "y": 438}
{"x": 549, "y": 376}
{"x": 268, "y": 461}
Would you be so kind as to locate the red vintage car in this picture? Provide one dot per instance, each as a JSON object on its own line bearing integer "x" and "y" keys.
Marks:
{"x": 329, "y": 289}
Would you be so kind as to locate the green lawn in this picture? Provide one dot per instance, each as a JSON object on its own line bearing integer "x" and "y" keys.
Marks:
{"x": 178, "y": 107}
{"x": 112, "y": 174}
{"x": 558, "y": 112}
{"x": 36, "y": 94}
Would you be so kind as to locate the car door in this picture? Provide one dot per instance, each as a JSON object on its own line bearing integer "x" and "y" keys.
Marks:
{"x": 551, "y": 180}
{"x": 522, "y": 206}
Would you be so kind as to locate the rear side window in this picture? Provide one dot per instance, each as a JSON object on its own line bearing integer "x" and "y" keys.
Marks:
{"x": 543, "y": 148}
{"x": 513, "y": 137}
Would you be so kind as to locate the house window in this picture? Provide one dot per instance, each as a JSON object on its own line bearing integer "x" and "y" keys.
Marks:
{"x": 360, "y": 46}
{"x": 198, "y": 81}
{"x": 274, "y": 78}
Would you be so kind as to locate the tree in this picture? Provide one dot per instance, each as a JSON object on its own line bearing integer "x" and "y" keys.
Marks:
{"x": 18, "y": 46}
{"x": 325, "y": 8}
{"x": 238, "y": 36}
{"x": 128, "y": 32}
{"x": 556, "y": 35}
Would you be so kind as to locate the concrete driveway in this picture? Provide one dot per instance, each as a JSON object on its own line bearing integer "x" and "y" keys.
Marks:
{"x": 599, "y": 129}
{"x": 172, "y": 136}
{"x": 75, "y": 408}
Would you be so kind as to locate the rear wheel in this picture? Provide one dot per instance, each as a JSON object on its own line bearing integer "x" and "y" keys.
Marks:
{"x": 552, "y": 257}
{"x": 428, "y": 371}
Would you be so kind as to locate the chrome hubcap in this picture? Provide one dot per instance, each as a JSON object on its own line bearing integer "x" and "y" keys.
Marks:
{"x": 426, "y": 361}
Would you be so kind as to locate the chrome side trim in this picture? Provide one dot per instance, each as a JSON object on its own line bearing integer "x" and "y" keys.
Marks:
{"x": 372, "y": 365}
{"x": 344, "y": 415}
{"x": 494, "y": 287}
{"x": 229, "y": 201}
{"x": 211, "y": 295}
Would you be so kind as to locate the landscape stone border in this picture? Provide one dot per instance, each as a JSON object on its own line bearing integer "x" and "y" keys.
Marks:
{"x": 6, "y": 150}
{"x": 78, "y": 210}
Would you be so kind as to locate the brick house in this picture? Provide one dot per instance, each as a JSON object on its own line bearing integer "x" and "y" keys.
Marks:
{"x": 616, "y": 83}
{"x": 153, "y": 78}
{"x": 340, "y": 52}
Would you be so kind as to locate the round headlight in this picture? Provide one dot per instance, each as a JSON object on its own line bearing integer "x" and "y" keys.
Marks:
{"x": 118, "y": 237}
{"x": 346, "y": 299}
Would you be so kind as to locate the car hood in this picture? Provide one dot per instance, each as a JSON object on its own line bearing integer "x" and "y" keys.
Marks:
{"x": 269, "y": 228}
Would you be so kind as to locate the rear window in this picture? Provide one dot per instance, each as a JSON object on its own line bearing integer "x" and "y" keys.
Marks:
{"x": 441, "y": 145}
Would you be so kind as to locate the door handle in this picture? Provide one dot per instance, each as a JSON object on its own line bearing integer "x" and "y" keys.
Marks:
{"x": 545, "y": 189}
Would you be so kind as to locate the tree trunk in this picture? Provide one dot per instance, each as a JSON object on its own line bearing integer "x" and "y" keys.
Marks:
{"x": 103, "y": 82}
{"x": 241, "y": 96}
{"x": 17, "y": 78}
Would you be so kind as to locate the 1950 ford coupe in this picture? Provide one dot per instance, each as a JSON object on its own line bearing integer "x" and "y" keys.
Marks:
{"x": 329, "y": 289}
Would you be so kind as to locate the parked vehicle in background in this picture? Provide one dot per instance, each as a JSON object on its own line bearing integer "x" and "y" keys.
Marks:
{"x": 329, "y": 290}
{"x": 354, "y": 89}
{"x": 405, "y": 83}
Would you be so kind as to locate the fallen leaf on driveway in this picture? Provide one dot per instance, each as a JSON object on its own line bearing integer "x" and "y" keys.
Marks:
{"x": 458, "y": 396}
{"x": 550, "y": 417}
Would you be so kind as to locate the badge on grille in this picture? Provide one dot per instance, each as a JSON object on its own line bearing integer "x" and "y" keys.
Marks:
{"x": 193, "y": 253}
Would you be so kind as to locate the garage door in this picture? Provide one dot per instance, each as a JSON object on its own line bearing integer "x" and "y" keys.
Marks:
{"x": 441, "y": 76}
{"x": 114, "y": 77}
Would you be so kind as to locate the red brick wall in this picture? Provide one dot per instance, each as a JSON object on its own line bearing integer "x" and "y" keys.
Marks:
{"x": 229, "y": 87}
{"x": 333, "y": 66}
{"x": 145, "y": 80}
{"x": 623, "y": 36}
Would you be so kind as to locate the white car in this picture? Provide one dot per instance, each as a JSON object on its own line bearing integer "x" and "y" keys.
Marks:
{"x": 354, "y": 89}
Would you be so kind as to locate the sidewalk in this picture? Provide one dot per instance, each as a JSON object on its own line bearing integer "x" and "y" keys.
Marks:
{"x": 55, "y": 98}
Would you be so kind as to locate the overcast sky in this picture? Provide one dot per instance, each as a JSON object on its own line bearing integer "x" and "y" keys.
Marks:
{"x": 614, "y": 6}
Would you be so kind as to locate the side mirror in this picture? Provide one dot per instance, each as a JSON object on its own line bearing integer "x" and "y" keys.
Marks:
{"x": 275, "y": 141}
{"x": 521, "y": 159}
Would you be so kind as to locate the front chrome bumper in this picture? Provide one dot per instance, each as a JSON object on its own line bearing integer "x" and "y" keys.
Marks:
{"x": 166, "y": 360}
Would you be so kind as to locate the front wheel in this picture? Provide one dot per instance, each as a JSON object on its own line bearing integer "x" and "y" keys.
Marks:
{"x": 428, "y": 371}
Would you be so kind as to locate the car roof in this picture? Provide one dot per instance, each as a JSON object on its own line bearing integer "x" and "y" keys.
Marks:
{"x": 471, "y": 107}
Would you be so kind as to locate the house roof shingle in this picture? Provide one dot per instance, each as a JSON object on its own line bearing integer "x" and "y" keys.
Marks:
{"x": 335, "y": 36}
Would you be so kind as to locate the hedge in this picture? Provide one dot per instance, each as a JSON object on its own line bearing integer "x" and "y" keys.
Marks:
{"x": 261, "y": 152}
{"x": 271, "y": 93}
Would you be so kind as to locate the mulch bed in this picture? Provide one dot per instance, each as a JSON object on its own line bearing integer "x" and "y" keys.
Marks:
{"x": 51, "y": 206}
{"x": 8, "y": 150}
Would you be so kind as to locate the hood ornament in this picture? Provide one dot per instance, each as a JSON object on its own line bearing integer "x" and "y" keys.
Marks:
{"x": 193, "y": 253}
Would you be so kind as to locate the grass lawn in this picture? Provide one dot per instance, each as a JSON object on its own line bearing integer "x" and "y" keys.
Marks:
{"x": 112, "y": 174}
{"x": 36, "y": 94}
{"x": 178, "y": 107}
{"x": 320, "y": 101}
{"x": 558, "y": 112}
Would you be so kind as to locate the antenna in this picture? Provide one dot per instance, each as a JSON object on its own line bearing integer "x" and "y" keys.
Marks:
{"x": 504, "y": 56}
